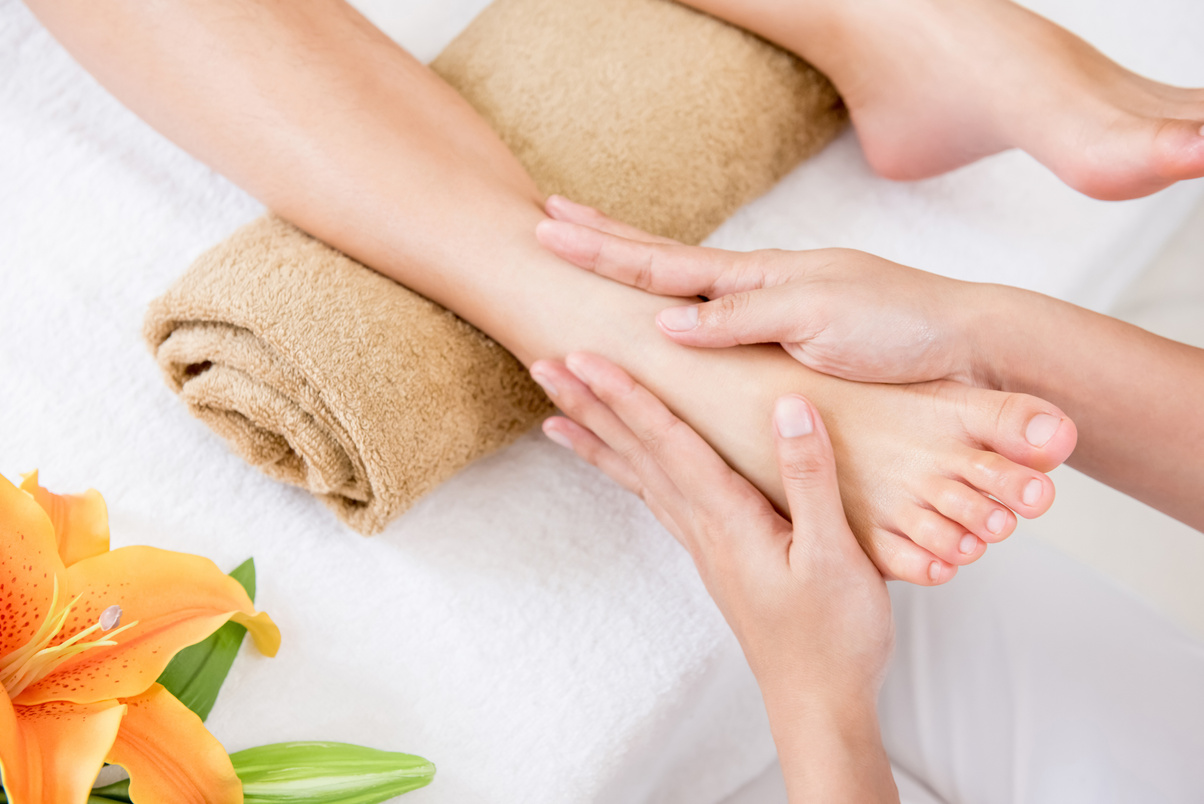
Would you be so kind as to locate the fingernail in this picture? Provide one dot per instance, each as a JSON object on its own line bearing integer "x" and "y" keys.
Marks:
{"x": 679, "y": 319}
{"x": 967, "y": 545}
{"x": 1041, "y": 428}
{"x": 544, "y": 382}
{"x": 792, "y": 417}
{"x": 1032, "y": 492}
{"x": 558, "y": 437}
{"x": 996, "y": 521}
{"x": 934, "y": 571}
{"x": 573, "y": 364}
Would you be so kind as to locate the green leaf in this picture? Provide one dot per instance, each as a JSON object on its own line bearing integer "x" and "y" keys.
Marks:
{"x": 92, "y": 799}
{"x": 323, "y": 773}
{"x": 195, "y": 674}
{"x": 117, "y": 791}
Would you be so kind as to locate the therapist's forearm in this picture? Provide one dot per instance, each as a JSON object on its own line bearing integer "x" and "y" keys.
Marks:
{"x": 1135, "y": 396}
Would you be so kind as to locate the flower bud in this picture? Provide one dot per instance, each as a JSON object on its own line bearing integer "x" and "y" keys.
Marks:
{"x": 319, "y": 772}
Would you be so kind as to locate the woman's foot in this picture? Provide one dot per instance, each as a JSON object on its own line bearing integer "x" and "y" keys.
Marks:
{"x": 930, "y": 473}
{"x": 932, "y": 85}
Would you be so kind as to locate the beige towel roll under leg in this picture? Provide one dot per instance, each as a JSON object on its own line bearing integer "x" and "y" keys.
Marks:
{"x": 329, "y": 376}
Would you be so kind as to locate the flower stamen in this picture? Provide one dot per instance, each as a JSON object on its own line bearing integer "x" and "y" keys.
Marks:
{"x": 37, "y": 659}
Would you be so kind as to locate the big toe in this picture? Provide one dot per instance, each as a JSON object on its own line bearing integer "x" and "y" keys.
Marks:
{"x": 1135, "y": 156}
{"x": 1178, "y": 151}
{"x": 1022, "y": 428}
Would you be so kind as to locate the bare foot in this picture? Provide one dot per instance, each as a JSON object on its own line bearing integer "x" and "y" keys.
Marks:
{"x": 932, "y": 85}
{"x": 930, "y": 473}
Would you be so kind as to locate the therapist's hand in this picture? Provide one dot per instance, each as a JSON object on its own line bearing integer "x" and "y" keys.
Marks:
{"x": 838, "y": 311}
{"x": 808, "y": 607}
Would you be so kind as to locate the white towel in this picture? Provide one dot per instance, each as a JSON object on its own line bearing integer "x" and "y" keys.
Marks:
{"x": 528, "y": 627}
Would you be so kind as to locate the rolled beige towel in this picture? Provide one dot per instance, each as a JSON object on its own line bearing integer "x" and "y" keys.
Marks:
{"x": 329, "y": 376}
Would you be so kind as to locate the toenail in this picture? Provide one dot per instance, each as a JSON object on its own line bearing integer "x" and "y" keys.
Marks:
{"x": 968, "y": 544}
{"x": 792, "y": 417}
{"x": 996, "y": 521}
{"x": 934, "y": 571}
{"x": 1032, "y": 492}
{"x": 1041, "y": 428}
{"x": 679, "y": 319}
{"x": 545, "y": 382}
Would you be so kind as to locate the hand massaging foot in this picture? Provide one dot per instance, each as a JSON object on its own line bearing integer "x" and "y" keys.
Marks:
{"x": 932, "y": 85}
{"x": 930, "y": 473}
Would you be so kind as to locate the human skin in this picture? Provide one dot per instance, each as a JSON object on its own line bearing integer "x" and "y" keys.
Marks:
{"x": 808, "y": 608}
{"x": 1134, "y": 396}
{"x": 329, "y": 123}
{"x": 932, "y": 85}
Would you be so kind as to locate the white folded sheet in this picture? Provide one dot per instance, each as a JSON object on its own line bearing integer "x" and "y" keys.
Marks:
{"x": 527, "y": 627}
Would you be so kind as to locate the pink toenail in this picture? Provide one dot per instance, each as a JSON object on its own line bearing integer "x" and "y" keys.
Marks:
{"x": 1032, "y": 492}
{"x": 996, "y": 521}
{"x": 1041, "y": 428}
{"x": 934, "y": 571}
{"x": 968, "y": 544}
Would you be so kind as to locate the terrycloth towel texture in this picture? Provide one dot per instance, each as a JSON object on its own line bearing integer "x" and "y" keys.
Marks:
{"x": 328, "y": 376}
{"x": 664, "y": 117}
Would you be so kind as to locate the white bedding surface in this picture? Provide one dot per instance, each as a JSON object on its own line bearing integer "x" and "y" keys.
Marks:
{"x": 527, "y": 627}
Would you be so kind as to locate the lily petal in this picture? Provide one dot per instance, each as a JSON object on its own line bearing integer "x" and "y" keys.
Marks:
{"x": 175, "y": 599}
{"x": 81, "y": 521}
{"x": 51, "y": 753}
{"x": 29, "y": 564}
{"x": 170, "y": 755}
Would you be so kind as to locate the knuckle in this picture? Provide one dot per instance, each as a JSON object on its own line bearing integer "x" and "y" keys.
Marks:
{"x": 991, "y": 466}
{"x": 929, "y": 531}
{"x": 644, "y": 272}
{"x": 947, "y": 498}
{"x": 726, "y": 309}
{"x": 806, "y": 469}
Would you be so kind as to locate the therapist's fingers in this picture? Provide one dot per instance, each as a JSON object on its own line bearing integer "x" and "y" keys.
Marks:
{"x": 591, "y": 449}
{"x": 778, "y": 314}
{"x": 664, "y": 268}
{"x": 713, "y": 491}
{"x": 808, "y": 470}
{"x": 563, "y": 209}
{"x": 575, "y": 399}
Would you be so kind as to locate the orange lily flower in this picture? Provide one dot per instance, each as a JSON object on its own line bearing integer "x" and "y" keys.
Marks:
{"x": 77, "y": 688}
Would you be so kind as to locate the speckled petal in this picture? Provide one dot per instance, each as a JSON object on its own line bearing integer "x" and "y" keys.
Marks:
{"x": 81, "y": 521}
{"x": 176, "y": 599}
{"x": 51, "y": 753}
{"x": 29, "y": 561}
{"x": 170, "y": 755}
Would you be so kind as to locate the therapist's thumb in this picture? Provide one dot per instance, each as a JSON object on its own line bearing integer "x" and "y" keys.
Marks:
{"x": 808, "y": 471}
{"x": 764, "y": 315}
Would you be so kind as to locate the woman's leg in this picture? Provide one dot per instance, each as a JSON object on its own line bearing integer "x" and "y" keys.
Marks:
{"x": 936, "y": 84}
{"x": 332, "y": 125}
